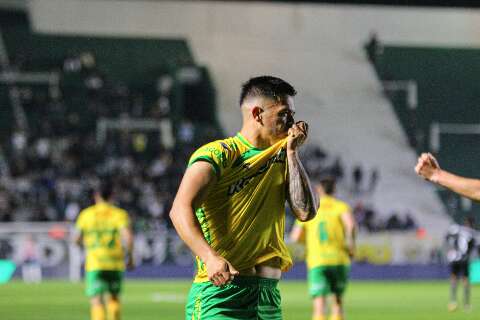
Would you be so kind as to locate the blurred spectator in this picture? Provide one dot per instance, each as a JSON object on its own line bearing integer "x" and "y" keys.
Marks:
{"x": 337, "y": 169}
{"x": 186, "y": 132}
{"x": 357, "y": 176}
{"x": 374, "y": 175}
{"x": 393, "y": 223}
{"x": 410, "y": 223}
{"x": 373, "y": 48}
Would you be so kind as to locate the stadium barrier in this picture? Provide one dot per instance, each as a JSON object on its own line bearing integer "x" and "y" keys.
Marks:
{"x": 160, "y": 253}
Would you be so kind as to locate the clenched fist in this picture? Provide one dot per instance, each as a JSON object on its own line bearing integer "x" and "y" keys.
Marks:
{"x": 427, "y": 167}
{"x": 297, "y": 135}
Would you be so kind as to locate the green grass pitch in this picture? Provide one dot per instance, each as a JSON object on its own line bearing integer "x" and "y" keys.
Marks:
{"x": 164, "y": 300}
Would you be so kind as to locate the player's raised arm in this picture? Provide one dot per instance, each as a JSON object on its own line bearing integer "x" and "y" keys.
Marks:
{"x": 428, "y": 168}
{"x": 301, "y": 197}
{"x": 193, "y": 188}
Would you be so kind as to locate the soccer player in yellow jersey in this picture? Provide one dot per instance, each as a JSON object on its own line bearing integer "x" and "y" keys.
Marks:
{"x": 230, "y": 207}
{"x": 330, "y": 243}
{"x": 101, "y": 229}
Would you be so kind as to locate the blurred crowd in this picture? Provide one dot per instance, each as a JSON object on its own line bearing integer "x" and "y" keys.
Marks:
{"x": 51, "y": 162}
{"x": 356, "y": 186}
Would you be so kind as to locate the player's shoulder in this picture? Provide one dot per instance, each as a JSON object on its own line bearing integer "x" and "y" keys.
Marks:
{"x": 341, "y": 205}
{"x": 86, "y": 211}
{"x": 221, "y": 145}
{"x": 219, "y": 153}
{"x": 85, "y": 216}
{"x": 117, "y": 210}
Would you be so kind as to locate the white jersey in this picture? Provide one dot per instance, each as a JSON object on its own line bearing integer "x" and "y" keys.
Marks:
{"x": 460, "y": 243}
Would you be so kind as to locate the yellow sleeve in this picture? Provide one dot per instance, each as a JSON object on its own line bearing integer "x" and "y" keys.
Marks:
{"x": 215, "y": 153}
{"x": 123, "y": 220}
{"x": 80, "y": 224}
{"x": 343, "y": 208}
{"x": 346, "y": 208}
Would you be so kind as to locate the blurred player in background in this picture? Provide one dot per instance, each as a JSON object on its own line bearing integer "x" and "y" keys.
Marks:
{"x": 230, "y": 207}
{"x": 101, "y": 229}
{"x": 428, "y": 168}
{"x": 31, "y": 268}
{"x": 330, "y": 243}
{"x": 460, "y": 244}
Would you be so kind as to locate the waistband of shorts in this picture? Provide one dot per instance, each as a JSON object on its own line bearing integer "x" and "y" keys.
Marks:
{"x": 255, "y": 281}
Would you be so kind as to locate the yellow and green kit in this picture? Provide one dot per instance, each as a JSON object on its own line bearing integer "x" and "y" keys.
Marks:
{"x": 100, "y": 226}
{"x": 243, "y": 220}
{"x": 327, "y": 258}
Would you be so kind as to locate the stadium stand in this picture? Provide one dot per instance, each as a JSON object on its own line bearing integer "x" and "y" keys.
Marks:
{"x": 446, "y": 80}
{"x": 56, "y": 152}
{"x": 95, "y": 81}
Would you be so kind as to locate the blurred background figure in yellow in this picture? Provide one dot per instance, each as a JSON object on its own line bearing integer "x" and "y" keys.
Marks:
{"x": 101, "y": 229}
{"x": 330, "y": 244}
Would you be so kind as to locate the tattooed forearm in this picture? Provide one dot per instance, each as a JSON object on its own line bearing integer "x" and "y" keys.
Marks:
{"x": 302, "y": 198}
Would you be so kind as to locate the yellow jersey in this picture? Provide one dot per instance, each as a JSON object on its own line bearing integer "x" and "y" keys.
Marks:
{"x": 243, "y": 215}
{"x": 325, "y": 234}
{"x": 100, "y": 225}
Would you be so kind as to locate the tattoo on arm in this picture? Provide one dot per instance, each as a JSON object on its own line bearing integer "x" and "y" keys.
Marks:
{"x": 303, "y": 200}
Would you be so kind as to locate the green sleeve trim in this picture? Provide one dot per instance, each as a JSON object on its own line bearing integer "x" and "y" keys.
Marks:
{"x": 215, "y": 166}
{"x": 245, "y": 142}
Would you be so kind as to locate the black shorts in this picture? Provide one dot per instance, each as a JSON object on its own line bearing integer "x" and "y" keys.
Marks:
{"x": 459, "y": 268}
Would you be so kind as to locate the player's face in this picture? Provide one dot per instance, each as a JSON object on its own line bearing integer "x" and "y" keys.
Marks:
{"x": 278, "y": 117}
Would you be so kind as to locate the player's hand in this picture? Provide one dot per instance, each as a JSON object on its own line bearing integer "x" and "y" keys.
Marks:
{"x": 427, "y": 167}
{"x": 220, "y": 271}
{"x": 351, "y": 252}
{"x": 297, "y": 135}
{"x": 130, "y": 262}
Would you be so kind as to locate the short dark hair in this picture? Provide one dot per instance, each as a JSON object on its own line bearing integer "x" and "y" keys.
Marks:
{"x": 328, "y": 184}
{"x": 105, "y": 190}
{"x": 266, "y": 86}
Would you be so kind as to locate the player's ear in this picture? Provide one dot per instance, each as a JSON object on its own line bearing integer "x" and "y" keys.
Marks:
{"x": 257, "y": 114}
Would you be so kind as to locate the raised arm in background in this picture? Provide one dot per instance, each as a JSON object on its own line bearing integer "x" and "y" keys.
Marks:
{"x": 428, "y": 168}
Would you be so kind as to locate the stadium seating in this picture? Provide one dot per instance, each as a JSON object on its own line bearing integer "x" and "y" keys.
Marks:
{"x": 447, "y": 81}
{"x": 55, "y": 158}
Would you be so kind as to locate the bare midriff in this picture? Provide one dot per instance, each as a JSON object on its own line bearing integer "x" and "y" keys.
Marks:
{"x": 269, "y": 269}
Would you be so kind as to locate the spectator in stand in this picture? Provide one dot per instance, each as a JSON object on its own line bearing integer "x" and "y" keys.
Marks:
{"x": 410, "y": 223}
{"x": 373, "y": 48}
{"x": 357, "y": 176}
{"x": 374, "y": 175}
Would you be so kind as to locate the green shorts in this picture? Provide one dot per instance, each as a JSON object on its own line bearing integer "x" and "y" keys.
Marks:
{"x": 100, "y": 281}
{"x": 249, "y": 298}
{"x": 325, "y": 280}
